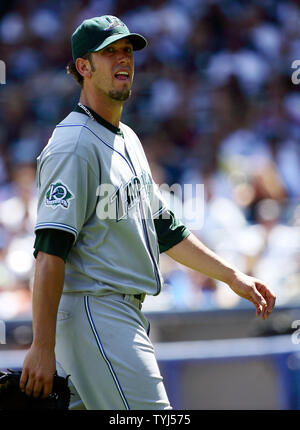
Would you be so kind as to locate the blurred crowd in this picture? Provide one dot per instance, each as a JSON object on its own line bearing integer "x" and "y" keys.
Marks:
{"x": 213, "y": 103}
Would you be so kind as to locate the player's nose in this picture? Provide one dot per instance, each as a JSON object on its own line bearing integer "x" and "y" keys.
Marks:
{"x": 123, "y": 60}
{"x": 123, "y": 57}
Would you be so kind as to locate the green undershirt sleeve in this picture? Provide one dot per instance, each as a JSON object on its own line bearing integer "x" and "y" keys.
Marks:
{"x": 170, "y": 231}
{"x": 54, "y": 242}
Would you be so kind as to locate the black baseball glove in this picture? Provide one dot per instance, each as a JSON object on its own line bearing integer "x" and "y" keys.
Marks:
{"x": 12, "y": 398}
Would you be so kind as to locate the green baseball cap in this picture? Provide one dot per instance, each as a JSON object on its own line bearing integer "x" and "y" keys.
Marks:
{"x": 96, "y": 33}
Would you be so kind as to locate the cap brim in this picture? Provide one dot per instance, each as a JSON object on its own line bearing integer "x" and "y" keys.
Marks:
{"x": 138, "y": 41}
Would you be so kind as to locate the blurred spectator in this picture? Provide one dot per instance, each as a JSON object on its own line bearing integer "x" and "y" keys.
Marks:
{"x": 213, "y": 104}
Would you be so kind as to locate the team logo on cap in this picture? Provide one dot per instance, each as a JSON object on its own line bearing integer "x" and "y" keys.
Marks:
{"x": 58, "y": 195}
{"x": 113, "y": 22}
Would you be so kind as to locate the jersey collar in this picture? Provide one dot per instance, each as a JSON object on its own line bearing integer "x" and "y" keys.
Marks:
{"x": 99, "y": 119}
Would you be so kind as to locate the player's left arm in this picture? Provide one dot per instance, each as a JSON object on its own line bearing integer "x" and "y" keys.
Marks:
{"x": 192, "y": 253}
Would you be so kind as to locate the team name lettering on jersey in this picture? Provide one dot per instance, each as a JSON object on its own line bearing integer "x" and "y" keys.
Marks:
{"x": 117, "y": 202}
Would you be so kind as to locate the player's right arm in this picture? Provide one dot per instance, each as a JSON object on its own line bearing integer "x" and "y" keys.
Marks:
{"x": 39, "y": 364}
{"x": 67, "y": 195}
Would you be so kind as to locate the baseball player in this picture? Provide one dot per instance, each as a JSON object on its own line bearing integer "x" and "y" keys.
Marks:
{"x": 101, "y": 226}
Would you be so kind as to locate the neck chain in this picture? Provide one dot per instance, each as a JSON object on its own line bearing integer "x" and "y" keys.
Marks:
{"x": 86, "y": 111}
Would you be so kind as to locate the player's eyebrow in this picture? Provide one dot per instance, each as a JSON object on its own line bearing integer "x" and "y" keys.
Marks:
{"x": 117, "y": 47}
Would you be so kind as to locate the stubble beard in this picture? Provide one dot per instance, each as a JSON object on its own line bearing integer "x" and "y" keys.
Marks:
{"x": 120, "y": 95}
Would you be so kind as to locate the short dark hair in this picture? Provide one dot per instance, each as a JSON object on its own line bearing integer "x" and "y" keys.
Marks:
{"x": 71, "y": 68}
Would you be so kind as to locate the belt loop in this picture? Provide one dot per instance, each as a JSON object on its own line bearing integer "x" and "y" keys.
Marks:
{"x": 136, "y": 299}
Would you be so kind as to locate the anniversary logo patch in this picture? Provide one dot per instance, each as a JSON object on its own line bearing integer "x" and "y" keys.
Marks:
{"x": 58, "y": 194}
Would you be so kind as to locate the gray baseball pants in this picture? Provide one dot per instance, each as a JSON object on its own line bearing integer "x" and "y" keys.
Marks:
{"x": 102, "y": 342}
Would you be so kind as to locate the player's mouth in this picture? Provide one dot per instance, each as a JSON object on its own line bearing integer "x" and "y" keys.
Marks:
{"x": 122, "y": 75}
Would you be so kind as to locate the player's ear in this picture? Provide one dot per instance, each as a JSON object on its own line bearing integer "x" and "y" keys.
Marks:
{"x": 84, "y": 67}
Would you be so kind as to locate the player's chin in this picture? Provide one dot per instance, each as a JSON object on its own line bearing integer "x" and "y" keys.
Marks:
{"x": 120, "y": 94}
{"x": 121, "y": 84}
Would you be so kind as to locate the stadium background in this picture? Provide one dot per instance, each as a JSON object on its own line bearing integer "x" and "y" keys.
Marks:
{"x": 213, "y": 103}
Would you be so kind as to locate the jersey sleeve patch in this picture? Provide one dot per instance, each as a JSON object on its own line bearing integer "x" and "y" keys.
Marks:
{"x": 58, "y": 194}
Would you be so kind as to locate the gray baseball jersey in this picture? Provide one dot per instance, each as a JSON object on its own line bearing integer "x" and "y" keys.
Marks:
{"x": 96, "y": 184}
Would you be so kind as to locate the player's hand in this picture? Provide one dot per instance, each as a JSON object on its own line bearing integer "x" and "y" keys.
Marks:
{"x": 38, "y": 370}
{"x": 255, "y": 291}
